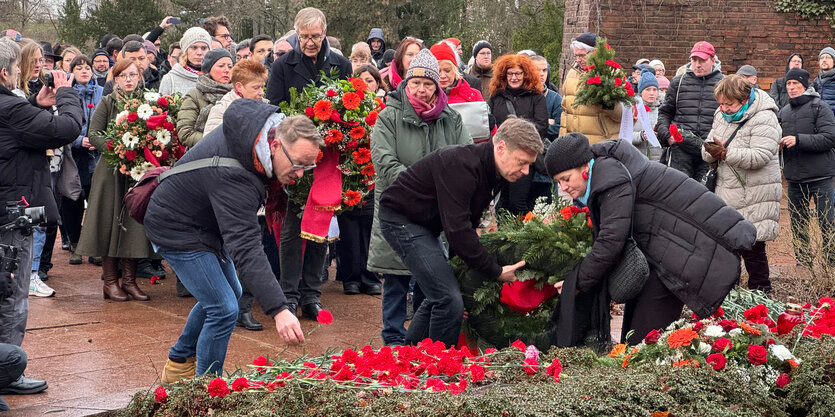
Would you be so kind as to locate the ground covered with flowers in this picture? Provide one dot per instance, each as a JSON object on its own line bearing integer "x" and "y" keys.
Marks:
{"x": 717, "y": 366}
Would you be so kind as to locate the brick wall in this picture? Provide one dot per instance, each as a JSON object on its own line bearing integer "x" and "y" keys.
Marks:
{"x": 743, "y": 32}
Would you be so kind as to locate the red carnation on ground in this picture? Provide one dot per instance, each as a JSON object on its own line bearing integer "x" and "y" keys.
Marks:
{"x": 357, "y": 132}
{"x": 782, "y": 381}
{"x": 594, "y": 80}
{"x": 518, "y": 344}
{"x": 490, "y": 351}
{"x": 652, "y": 337}
{"x": 331, "y": 93}
{"x": 160, "y": 394}
{"x": 358, "y": 84}
{"x": 324, "y": 317}
{"x": 530, "y": 366}
{"x": 722, "y": 345}
{"x": 717, "y": 361}
{"x": 132, "y": 116}
{"x": 162, "y": 102}
{"x": 333, "y": 136}
{"x": 351, "y": 197}
{"x": 322, "y": 110}
{"x": 154, "y": 280}
{"x": 260, "y": 362}
{"x": 130, "y": 155}
{"x": 477, "y": 371}
{"x": 371, "y": 119}
{"x": 361, "y": 156}
{"x": 218, "y": 388}
{"x": 613, "y": 64}
{"x": 240, "y": 384}
{"x": 554, "y": 369}
{"x": 351, "y": 101}
{"x": 757, "y": 354}
{"x": 368, "y": 170}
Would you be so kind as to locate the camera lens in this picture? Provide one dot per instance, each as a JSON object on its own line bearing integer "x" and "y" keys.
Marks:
{"x": 37, "y": 214}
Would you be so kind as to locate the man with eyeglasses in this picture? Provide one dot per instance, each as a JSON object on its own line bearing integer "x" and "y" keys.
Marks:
{"x": 595, "y": 122}
{"x": 304, "y": 64}
{"x": 213, "y": 255}
{"x": 218, "y": 27}
{"x": 482, "y": 67}
{"x": 135, "y": 51}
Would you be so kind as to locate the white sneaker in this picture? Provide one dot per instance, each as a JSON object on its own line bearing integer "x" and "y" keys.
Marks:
{"x": 38, "y": 288}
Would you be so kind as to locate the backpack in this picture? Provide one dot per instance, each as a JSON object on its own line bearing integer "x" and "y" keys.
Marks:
{"x": 138, "y": 196}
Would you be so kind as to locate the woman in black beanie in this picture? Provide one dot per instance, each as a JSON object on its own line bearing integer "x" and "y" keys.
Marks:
{"x": 689, "y": 236}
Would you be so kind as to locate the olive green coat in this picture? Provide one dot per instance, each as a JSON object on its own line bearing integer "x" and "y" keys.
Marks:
{"x": 400, "y": 138}
{"x": 108, "y": 230}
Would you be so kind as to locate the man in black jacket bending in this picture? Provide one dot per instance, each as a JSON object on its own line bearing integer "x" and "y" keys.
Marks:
{"x": 447, "y": 191}
{"x": 808, "y": 150}
{"x": 27, "y": 130}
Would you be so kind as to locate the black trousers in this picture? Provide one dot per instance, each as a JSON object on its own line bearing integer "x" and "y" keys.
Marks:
{"x": 12, "y": 363}
{"x": 654, "y": 308}
{"x": 756, "y": 263}
{"x": 354, "y": 236}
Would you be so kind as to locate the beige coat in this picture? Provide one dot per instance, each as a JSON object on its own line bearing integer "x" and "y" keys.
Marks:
{"x": 753, "y": 153}
{"x": 593, "y": 121}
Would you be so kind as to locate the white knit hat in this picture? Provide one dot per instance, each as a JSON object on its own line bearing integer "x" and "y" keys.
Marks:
{"x": 425, "y": 65}
{"x": 194, "y": 35}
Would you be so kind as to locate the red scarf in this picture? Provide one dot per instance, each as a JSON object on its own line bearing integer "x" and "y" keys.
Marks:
{"x": 190, "y": 69}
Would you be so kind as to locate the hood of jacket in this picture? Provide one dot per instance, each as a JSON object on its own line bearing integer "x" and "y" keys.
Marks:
{"x": 790, "y": 60}
{"x": 377, "y": 33}
{"x": 243, "y": 126}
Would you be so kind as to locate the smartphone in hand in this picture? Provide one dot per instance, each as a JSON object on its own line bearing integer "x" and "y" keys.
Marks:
{"x": 174, "y": 21}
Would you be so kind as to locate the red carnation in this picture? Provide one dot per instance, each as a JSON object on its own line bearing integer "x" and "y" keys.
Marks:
{"x": 331, "y": 93}
{"x": 594, "y": 80}
{"x": 518, "y": 344}
{"x": 130, "y": 155}
{"x": 588, "y": 68}
{"x": 361, "y": 156}
{"x": 629, "y": 91}
{"x": 132, "y": 116}
{"x": 676, "y": 134}
{"x": 717, "y": 361}
{"x": 554, "y": 369}
{"x": 324, "y": 317}
{"x": 240, "y": 384}
{"x": 160, "y": 394}
{"x": 309, "y": 112}
{"x": 352, "y": 197}
{"x": 352, "y": 144}
{"x": 530, "y": 366}
{"x": 162, "y": 102}
{"x": 218, "y": 388}
{"x": 608, "y": 47}
{"x": 260, "y": 362}
{"x": 697, "y": 327}
{"x": 652, "y": 337}
{"x": 723, "y": 345}
{"x": 613, "y": 64}
{"x": 719, "y": 313}
{"x": 110, "y": 145}
{"x": 757, "y": 354}
{"x": 357, "y": 132}
{"x": 91, "y": 105}
{"x": 477, "y": 371}
{"x": 168, "y": 126}
{"x": 783, "y": 380}
{"x": 154, "y": 279}
{"x": 618, "y": 82}
{"x": 371, "y": 119}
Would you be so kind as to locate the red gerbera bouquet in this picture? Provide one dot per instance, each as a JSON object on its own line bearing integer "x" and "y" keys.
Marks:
{"x": 345, "y": 113}
{"x": 143, "y": 135}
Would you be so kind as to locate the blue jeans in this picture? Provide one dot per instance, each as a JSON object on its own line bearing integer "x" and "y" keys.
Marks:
{"x": 40, "y": 239}
{"x": 215, "y": 285}
{"x": 440, "y": 315}
{"x": 823, "y": 193}
{"x": 395, "y": 288}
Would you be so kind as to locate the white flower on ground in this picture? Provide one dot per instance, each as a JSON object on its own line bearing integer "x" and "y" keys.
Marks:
{"x": 714, "y": 331}
{"x": 735, "y": 332}
{"x": 163, "y": 136}
{"x": 129, "y": 140}
{"x": 144, "y": 111}
{"x": 152, "y": 97}
{"x": 781, "y": 352}
{"x": 136, "y": 173}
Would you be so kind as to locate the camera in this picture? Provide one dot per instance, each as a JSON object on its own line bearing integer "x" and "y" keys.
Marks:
{"x": 23, "y": 218}
{"x": 49, "y": 79}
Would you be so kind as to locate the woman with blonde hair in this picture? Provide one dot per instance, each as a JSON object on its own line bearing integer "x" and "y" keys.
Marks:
{"x": 183, "y": 76}
{"x": 31, "y": 68}
{"x": 67, "y": 56}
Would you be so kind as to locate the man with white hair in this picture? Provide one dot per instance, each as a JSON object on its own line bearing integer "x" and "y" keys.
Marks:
{"x": 304, "y": 64}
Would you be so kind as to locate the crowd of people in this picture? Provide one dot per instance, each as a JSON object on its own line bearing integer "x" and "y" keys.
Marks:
{"x": 454, "y": 135}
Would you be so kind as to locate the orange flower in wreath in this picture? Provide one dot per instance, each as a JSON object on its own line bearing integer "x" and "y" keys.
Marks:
{"x": 528, "y": 217}
{"x": 368, "y": 170}
{"x": 357, "y": 132}
{"x": 352, "y": 198}
{"x": 322, "y": 110}
{"x": 749, "y": 329}
{"x": 566, "y": 212}
{"x": 351, "y": 101}
{"x": 361, "y": 156}
{"x": 681, "y": 337}
{"x": 333, "y": 136}
{"x": 358, "y": 84}
{"x": 685, "y": 362}
{"x": 319, "y": 157}
{"x": 618, "y": 350}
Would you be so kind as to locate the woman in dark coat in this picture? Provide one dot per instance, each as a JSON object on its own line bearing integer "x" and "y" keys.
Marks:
{"x": 689, "y": 236}
{"x": 517, "y": 90}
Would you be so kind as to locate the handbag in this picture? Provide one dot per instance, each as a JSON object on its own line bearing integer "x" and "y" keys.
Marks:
{"x": 629, "y": 276}
{"x": 709, "y": 180}
{"x": 475, "y": 117}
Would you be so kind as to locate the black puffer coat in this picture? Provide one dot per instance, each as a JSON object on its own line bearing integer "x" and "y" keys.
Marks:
{"x": 812, "y": 122}
{"x": 215, "y": 209}
{"x": 26, "y": 133}
{"x": 527, "y": 105}
{"x": 689, "y": 104}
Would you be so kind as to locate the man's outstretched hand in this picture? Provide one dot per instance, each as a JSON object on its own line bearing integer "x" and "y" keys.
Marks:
{"x": 509, "y": 272}
{"x": 287, "y": 325}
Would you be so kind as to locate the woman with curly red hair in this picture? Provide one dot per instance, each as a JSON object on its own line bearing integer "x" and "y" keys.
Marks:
{"x": 516, "y": 90}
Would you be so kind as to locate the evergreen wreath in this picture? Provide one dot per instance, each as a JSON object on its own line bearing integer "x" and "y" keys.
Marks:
{"x": 604, "y": 81}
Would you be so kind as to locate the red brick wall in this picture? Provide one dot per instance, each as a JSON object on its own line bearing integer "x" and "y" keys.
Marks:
{"x": 743, "y": 32}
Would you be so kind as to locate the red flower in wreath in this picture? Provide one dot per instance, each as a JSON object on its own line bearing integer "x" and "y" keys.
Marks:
{"x": 594, "y": 80}
{"x": 351, "y": 101}
{"x": 333, "y": 136}
{"x": 351, "y": 197}
{"x": 717, "y": 361}
{"x": 782, "y": 381}
{"x": 309, "y": 112}
{"x": 618, "y": 82}
{"x": 319, "y": 157}
{"x": 652, "y": 337}
{"x": 130, "y": 155}
{"x": 608, "y": 47}
{"x": 380, "y": 104}
{"x": 358, "y": 84}
{"x": 368, "y": 170}
{"x": 361, "y": 156}
{"x": 322, "y": 110}
{"x": 613, "y": 64}
{"x": 757, "y": 354}
{"x": 110, "y": 145}
{"x": 566, "y": 213}
{"x": 588, "y": 68}
{"x": 352, "y": 144}
{"x": 168, "y": 126}
{"x": 162, "y": 102}
{"x": 132, "y": 116}
{"x": 371, "y": 119}
{"x": 332, "y": 93}
{"x": 357, "y": 132}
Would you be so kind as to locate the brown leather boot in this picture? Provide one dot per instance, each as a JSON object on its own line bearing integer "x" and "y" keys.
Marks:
{"x": 129, "y": 280}
{"x": 110, "y": 276}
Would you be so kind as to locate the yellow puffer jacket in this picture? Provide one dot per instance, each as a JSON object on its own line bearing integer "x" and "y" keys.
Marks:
{"x": 593, "y": 121}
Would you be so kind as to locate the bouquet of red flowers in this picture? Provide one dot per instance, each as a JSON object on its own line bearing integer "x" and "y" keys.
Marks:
{"x": 143, "y": 135}
{"x": 604, "y": 81}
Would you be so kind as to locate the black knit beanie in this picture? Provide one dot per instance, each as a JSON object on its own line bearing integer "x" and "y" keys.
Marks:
{"x": 800, "y": 75}
{"x": 567, "y": 152}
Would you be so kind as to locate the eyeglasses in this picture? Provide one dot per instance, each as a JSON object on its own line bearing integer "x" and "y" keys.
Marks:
{"x": 127, "y": 76}
{"x": 515, "y": 74}
{"x": 293, "y": 165}
{"x": 580, "y": 55}
{"x": 225, "y": 36}
{"x": 485, "y": 53}
{"x": 39, "y": 61}
{"x": 314, "y": 38}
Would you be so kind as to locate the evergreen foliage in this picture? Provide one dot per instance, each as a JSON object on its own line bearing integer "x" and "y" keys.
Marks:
{"x": 604, "y": 81}
{"x": 71, "y": 28}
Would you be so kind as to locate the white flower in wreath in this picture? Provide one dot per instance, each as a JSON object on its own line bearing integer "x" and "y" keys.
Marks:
{"x": 129, "y": 140}
{"x": 163, "y": 136}
{"x": 146, "y": 166}
{"x": 714, "y": 331}
{"x": 152, "y": 97}
{"x": 144, "y": 111}
{"x": 137, "y": 172}
{"x": 735, "y": 332}
{"x": 781, "y": 352}
{"x": 704, "y": 348}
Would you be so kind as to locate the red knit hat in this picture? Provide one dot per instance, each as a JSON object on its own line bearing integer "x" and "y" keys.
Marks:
{"x": 442, "y": 51}
{"x": 454, "y": 41}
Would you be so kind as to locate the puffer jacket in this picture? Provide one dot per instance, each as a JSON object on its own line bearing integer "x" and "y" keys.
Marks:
{"x": 651, "y": 152}
{"x": 215, "y": 209}
{"x": 753, "y": 154}
{"x": 824, "y": 84}
{"x": 688, "y": 234}
{"x": 216, "y": 113}
{"x": 401, "y": 138}
{"x": 178, "y": 80}
{"x": 689, "y": 104}
{"x": 194, "y": 112}
{"x": 812, "y": 123}
{"x": 778, "y": 90}
{"x": 597, "y": 123}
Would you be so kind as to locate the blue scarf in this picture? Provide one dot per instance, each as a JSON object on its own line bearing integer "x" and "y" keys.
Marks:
{"x": 741, "y": 112}
{"x": 585, "y": 198}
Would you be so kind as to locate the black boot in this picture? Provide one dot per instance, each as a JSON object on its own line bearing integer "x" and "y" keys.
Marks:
{"x": 248, "y": 322}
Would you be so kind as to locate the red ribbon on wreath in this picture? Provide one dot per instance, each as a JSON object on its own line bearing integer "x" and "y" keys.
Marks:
{"x": 325, "y": 197}
{"x": 523, "y": 296}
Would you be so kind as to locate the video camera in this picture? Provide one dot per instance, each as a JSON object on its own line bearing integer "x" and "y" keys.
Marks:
{"x": 22, "y": 218}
